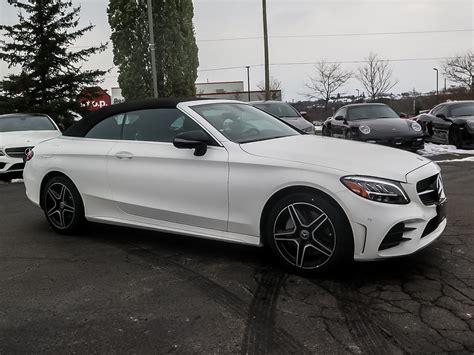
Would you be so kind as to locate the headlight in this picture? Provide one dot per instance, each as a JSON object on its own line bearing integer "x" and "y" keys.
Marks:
{"x": 470, "y": 124}
{"x": 416, "y": 126}
{"x": 364, "y": 129}
{"x": 379, "y": 190}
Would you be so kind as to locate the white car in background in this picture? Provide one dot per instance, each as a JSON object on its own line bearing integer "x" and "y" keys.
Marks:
{"x": 19, "y": 132}
{"x": 228, "y": 171}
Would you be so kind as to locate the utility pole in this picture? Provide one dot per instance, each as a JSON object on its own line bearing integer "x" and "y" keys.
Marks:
{"x": 437, "y": 82}
{"x": 265, "y": 44}
{"x": 248, "y": 80}
{"x": 152, "y": 49}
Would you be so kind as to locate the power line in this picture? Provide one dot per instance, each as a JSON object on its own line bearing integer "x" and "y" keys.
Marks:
{"x": 335, "y": 35}
{"x": 329, "y": 62}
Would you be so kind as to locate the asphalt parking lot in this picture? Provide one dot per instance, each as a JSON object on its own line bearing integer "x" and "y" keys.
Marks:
{"x": 125, "y": 290}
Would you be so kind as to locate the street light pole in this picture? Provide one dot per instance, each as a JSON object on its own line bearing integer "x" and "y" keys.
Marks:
{"x": 248, "y": 80}
{"x": 437, "y": 85}
{"x": 152, "y": 48}
{"x": 265, "y": 44}
{"x": 357, "y": 93}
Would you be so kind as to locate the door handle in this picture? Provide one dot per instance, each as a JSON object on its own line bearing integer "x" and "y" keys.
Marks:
{"x": 124, "y": 155}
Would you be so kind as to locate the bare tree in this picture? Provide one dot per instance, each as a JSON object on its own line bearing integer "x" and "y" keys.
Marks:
{"x": 376, "y": 76}
{"x": 460, "y": 69}
{"x": 328, "y": 79}
{"x": 275, "y": 85}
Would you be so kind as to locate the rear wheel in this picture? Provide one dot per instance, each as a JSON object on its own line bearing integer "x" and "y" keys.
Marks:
{"x": 455, "y": 137}
{"x": 308, "y": 234}
{"x": 62, "y": 205}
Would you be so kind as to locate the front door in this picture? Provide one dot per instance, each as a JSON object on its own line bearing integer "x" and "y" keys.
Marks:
{"x": 151, "y": 178}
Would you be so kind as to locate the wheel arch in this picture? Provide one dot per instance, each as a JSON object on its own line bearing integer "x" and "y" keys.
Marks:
{"x": 298, "y": 189}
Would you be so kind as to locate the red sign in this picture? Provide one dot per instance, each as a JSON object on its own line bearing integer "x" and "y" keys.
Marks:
{"x": 94, "y": 98}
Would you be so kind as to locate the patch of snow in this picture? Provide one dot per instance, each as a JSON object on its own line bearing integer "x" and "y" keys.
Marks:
{"x": 16, "y": 181}
{"x": 456, "y": 160}
{"x": 431, "y": 149}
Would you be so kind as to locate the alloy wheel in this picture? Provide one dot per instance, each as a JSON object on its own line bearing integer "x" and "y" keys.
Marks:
{"x": 304, "y": 235}
{"x": 59, "y": 205}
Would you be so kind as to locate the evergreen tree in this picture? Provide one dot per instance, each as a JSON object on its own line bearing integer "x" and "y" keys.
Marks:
{"x": 176, "y": 49}
{"x": 50, "y": 75}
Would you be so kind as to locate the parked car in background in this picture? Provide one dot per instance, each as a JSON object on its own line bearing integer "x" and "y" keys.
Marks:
{"x": 374, "y": 123}
{"x": 287, "y": 113}
{"x": 19, "y": 132}
{"x": 450, "y": 123}
{"x": 228, "y": 171}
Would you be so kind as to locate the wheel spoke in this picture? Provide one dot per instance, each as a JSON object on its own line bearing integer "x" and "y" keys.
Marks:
{"x": 68, "y": 208}
{"x": 294, "y": 216}
{"x": 316, "y": 244}
{"x": 300, "y": 252}
{"x": 318, "y": 222}
{"x": 285, "y": 236}
{"x": 52, "y": 211}
{"x": 62, "y": 193}
{"x": 53, "y": 195}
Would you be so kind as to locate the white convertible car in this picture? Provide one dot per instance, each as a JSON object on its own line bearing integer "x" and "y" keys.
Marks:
{"x": 225, "y": 170}
{"x": 19, "y": 132}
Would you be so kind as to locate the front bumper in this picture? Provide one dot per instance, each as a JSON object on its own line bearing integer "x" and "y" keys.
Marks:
{"x": 408, "y": 143}
{"x": 373, "y": 223}
{"x": 10, "y": 165}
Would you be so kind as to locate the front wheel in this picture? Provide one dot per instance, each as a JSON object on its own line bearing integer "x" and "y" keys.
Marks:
{"x": 308, "y": 234}
{"x": 455, "y": 137}
{"x": 326, "y": 131}
{"x": 63, "y": 205}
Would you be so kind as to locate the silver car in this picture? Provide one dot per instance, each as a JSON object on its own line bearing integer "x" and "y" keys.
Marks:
{"x": 287, "y": 113}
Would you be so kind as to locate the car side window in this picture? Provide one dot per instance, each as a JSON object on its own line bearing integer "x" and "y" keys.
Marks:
{"x": 110, "y": 128}
{"x": 157, "y": 125}
{"x": 438, "y": 109}
{"x": 341, "y": 112}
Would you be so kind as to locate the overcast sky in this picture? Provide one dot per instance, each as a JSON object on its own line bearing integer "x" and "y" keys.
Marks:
{"x": 228, "y": 19}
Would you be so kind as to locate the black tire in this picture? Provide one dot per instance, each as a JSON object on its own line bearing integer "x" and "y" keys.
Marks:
{"x": 455, "y": 137}
{"x": 326, "y": 132}
{"x": 323, "y": 233}
{"x": 62, "y": 205}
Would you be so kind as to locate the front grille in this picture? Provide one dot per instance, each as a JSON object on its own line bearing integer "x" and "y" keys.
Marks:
{"x": 395, "y": 236}
{"x": 17, "y": 166}
{"x": 427, "y": 190}
{"x": 18, "y": 152}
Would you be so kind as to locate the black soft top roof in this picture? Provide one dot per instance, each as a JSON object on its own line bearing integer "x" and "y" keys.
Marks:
{"x": 83, "y": 126}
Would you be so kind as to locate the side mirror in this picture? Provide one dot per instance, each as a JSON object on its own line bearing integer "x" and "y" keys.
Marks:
{"x": 304, "y": 114}
{"x": 441, "y": 115}
{"x": 197, "y": 140}
{"x": 339, "y": 118}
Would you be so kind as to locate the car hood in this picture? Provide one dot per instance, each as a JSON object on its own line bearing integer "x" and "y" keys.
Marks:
{"x": 298, "y": 122}
{"x": 349, "y": 157}
{"x": 383, "y": 126}
{"x": 25, "y": 138}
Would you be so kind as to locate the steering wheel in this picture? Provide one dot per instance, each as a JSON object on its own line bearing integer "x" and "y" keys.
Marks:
{"x": 252, "y": 131}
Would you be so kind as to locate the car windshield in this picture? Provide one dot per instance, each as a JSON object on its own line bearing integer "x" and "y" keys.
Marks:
{"x": 364, "y": 112}
{"x": 465, "y": 109}
{"x": 278, "y": 109}
{"x": 25, "y": 123}
{"x": 242, "y": 123}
